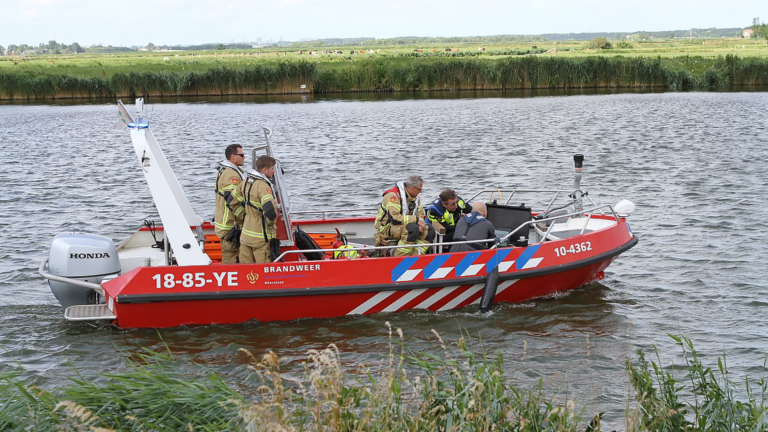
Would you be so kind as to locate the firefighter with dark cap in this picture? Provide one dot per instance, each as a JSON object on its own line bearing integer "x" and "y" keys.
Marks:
{"x": 446, "y": 210}
{"x": 255, "y": 192}
{"x": 228, "y": 219}
{"x": 401, "y": 218}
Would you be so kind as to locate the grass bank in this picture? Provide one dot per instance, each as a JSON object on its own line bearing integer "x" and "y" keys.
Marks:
{"x": 378, "y": 74}
{"x": 454, "y": 387}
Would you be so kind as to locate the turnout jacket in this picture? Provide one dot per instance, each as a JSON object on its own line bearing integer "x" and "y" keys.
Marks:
{"x": 255, "y": 192}
{"x": 229, "y": 211}
{"x": 398, "y": 208}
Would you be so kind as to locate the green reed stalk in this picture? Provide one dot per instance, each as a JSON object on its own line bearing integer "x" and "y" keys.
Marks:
{"x": 450, "y": 387}
{"x": 389, "y": 74}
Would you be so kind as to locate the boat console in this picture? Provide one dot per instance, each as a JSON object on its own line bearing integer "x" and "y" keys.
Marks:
{"x": 509, "y": 218}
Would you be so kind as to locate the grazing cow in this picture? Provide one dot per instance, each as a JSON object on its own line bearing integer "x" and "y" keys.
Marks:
{"x": 534, "y": 47}
{"x": 15, "y": 63}
{"x": 362, "y": 51}
{"x": 481, "y": 49}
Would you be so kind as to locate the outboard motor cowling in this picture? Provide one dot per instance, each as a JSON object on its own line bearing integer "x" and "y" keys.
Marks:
{"x": 85, "y": 257}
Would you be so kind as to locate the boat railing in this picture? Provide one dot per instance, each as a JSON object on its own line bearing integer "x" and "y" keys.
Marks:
{"x": 377, "y": 248}
{"x": 587, "y": 214}
{"x": 324, "y": 213}
{"x": 558, "y": 193}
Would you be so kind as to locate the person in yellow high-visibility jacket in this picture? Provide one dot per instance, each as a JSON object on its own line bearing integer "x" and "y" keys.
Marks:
{"x": 229, "y": 212}
{"x": 401, "y": 217}
{"x": 260, "y": 212}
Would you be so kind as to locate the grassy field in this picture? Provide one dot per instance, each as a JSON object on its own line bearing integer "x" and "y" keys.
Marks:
{"x": 676, "y": 64}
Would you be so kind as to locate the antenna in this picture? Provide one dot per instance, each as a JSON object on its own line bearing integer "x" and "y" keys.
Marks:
{"x": 578, "y": 161}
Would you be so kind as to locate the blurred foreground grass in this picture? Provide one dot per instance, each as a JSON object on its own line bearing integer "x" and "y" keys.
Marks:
{"x": 451, "y": 387}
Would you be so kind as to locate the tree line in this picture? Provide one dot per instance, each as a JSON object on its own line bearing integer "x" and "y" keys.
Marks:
{"x": 52, "y": 47}
{"x": 760, "y": 29}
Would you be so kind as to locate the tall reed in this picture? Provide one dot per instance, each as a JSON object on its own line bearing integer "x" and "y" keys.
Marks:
{"x": 713, "y": 396}
{"x": 390, "y": 74}
{"x": 450, "y": 387}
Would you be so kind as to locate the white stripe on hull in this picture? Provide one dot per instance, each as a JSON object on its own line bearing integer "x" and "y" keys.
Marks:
{"x": 403, "y": 300}
{"x": 502, "y": 286}
{"x": 373, "y": 301}
{"x": 533, "y": 262}
{"x": 473, "y": 269}
{"x": 462, "y": 297}
{"x": 409, "y": 275}
{"x": 435, "y": 297}
{"x": 441, "y": 273}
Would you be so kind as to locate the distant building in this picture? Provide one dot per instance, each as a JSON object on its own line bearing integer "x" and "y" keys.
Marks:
{"x": 747, "y": 33}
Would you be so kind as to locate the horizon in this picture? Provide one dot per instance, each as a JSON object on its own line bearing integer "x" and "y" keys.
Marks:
{"x": 198, "y": 22}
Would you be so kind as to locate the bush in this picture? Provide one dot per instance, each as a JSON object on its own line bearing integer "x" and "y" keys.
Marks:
{"x": 599, "y": 43}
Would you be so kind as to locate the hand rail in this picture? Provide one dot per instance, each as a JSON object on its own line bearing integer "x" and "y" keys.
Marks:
{"x": 323, "y": 213}
{"x": 91, "y": 285}
{"x": 589, "y": 213}
{"x": 506, "y": 237}
{"x": 368, "y": 248}
{"x": 512, "y": 192}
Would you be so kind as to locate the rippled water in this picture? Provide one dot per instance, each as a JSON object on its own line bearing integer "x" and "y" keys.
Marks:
{"x": 693, "y": 163}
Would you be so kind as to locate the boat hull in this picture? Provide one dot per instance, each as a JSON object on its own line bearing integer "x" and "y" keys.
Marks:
{"x": 170, "y": 296}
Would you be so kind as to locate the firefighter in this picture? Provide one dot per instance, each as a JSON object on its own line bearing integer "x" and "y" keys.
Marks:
{"x": 447, "y": 210}
{"x": 228, "y": 219}
{"x": 255, "y": 192}
{"x": 401, "y": 218}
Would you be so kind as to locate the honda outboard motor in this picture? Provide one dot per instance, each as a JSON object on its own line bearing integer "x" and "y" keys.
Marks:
{"x": 85, "y": 257}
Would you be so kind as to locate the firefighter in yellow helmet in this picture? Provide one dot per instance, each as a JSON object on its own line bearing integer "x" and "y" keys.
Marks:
{"x": 260, "y": 212}
{"x": 228, "y": 219}
{"x": 345, "y": 254}
{"x": 401, "y": 217}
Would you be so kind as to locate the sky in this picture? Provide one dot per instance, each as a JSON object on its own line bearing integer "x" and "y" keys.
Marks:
{"x": 191, "y": 22}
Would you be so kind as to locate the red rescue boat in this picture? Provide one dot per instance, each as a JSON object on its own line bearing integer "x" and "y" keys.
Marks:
{"x": 168, "y": 275}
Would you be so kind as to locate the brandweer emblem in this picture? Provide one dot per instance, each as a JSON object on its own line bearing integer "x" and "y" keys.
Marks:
{"x": 252, "y": 277}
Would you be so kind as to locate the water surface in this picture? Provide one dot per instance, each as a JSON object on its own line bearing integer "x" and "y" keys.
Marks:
{"x": 693, "y": 163}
